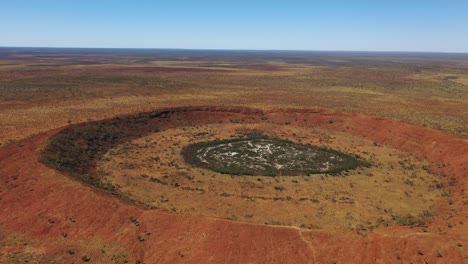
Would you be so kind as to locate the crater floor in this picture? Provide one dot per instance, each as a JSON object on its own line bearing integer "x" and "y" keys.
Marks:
{"x": 268, "y": 157}
{"x": 152, "y": 171}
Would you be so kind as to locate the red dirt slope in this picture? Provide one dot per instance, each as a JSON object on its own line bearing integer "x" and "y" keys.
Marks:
{"x": 58, "y": 214}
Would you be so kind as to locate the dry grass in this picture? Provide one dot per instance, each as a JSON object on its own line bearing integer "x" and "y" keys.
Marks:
{"x": 44, "y": 91}
{"x": 152, "y": 171}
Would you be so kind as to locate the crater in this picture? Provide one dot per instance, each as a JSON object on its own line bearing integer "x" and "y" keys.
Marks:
{"x": 138, "y": 159}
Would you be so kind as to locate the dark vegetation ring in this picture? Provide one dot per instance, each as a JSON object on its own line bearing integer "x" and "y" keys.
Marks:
{"x": 76, "y": 149}
{"x": 267, "y": 157}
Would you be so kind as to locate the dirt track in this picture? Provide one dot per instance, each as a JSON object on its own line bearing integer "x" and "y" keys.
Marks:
{"x": 58, "y": 213}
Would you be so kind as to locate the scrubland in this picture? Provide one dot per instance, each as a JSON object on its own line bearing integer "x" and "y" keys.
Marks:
{"x": 92, "y": 170}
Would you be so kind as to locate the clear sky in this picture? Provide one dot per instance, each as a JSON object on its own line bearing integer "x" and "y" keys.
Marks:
{"x": 368, "y": 25}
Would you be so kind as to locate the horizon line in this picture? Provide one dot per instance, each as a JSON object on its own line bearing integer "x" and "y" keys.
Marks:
{"x": 223, "y": 49}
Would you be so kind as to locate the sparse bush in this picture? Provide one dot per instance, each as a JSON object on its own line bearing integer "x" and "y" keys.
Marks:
{"x": 409, "y": 220}
{"x": 426, "y": 214}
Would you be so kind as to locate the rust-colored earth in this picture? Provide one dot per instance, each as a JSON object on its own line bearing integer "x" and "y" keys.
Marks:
{"x": 408, "y": 105}
{"x": 67, "y": 220}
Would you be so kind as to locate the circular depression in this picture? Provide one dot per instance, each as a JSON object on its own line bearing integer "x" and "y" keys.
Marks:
{"x": 269, "y": 157}
{"x": 138, "y": 158}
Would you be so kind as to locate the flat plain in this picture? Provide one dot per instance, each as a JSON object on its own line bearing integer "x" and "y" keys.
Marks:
{"x": 92, "y": 166}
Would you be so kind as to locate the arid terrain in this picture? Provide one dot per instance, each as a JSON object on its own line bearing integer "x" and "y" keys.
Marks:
{"x": 92, "y": 165}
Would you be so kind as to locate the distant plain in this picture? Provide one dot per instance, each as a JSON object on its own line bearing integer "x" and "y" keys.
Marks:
{"x": 138, "y": 200}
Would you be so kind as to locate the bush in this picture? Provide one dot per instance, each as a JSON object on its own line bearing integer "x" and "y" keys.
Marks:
{"x": 409, "y": 220}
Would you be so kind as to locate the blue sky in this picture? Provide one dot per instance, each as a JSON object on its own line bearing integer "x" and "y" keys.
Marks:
{"x": 378, "y": 25}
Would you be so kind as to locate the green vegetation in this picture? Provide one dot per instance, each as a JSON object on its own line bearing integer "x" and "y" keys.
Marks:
{"x": 134, "y": 221}
{"x": 76, "y": 149}
{"x": 409, "y": 220}
{"x": 426, "y": 214}
{"x": 268, "y": 157}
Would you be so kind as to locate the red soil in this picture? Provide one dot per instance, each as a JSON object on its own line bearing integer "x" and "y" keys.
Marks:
{"x": 60, "y": 213}
{"x": 163, "y": 70}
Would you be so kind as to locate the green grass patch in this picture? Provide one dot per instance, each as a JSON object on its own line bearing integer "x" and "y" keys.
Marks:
{"x": 268, "y": 157}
